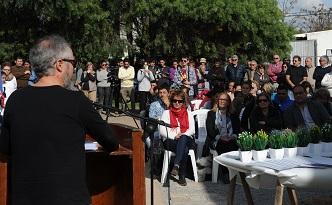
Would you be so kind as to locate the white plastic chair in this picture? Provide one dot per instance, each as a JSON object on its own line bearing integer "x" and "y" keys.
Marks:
{"x": 196, "y": 103}
{"x": 215, "y": 166}
{"x": 167, "y": 159}
{"x": 201, "y": 116}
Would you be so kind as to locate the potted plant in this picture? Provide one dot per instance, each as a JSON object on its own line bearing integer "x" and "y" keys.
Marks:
{"x": 303, "y": 137}
{"x": 326, "y": 136}
{"x": 315, "y": 136}
{"x": 259, "y": 145}
{"x": 290, "y": 144}
{"x": 245, "y": 142}
{"x": 276, "y": 144}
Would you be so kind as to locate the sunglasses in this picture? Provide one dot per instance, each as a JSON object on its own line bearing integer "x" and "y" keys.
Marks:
{"x": 234, "y": 59}
{"x": 275, "y": 58}
{"x": 177, "y": 101}
{"x": 104, "y": 64}
{"x": 262, "y": 100}
{"x": 184, "y": 61}
{"x": 71, "y": 61}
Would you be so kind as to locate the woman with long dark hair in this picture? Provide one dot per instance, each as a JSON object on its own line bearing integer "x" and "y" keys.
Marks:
{"x": 264, "y": 116}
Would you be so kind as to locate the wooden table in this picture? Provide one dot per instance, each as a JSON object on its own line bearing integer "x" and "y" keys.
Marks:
{"x": 113, "y": 179}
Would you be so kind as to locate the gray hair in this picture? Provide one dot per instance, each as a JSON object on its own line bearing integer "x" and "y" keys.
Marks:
{"x": 326, "y": 58}
{"x": 46, "y": 52}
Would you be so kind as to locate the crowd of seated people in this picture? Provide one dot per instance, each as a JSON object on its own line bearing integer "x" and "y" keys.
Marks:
{"x": 251, "y": 97}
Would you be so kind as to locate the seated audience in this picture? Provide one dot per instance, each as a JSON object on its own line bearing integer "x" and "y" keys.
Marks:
{"x": 304, "y": 112}
{"x": 264, "y": 115}
{"x": 178, "y": 138}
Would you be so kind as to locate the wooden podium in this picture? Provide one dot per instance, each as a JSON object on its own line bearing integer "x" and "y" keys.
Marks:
{"x": 116, "y": 179}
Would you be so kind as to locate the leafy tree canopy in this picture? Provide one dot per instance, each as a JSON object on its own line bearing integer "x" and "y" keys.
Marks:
{"x": 211, "y": 28}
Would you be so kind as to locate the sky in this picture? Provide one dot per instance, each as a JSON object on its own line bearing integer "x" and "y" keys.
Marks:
{"x": 308, "y": 4}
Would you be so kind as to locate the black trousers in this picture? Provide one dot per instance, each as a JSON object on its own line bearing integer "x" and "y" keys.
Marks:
{"x": 143, "y": 99}
{"x": 115, "y": 95}
{"x": 223, "y": 147}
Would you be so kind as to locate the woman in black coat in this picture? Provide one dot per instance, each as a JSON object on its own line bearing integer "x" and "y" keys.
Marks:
{"x": 264, "y": 116}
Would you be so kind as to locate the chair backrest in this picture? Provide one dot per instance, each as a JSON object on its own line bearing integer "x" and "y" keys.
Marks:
{"x": 196, "y": 103}
{"x": 201, "y": 116}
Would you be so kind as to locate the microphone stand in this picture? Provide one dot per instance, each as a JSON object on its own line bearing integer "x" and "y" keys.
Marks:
{"x": 151, "y": 125}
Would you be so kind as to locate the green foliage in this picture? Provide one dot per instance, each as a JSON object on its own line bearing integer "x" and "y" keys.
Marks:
{"x": 212, "y": 29}
{"x": 303, "y": 136}
{"x": 326, "y": 132}
{"x": 315, "y": 134}
{"x": 245, "y": 141}
{"x": 216, "y": 28}
{"x": 260, "y": 140}
{"x": 85, "y": 24}
{"x": 276, "y": 139}
{"x": 290, "y": 138}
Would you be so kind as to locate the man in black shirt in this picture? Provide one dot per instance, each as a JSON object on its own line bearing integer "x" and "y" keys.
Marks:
{"x": 296, "y": 74}
{"x": 44, "y": 132}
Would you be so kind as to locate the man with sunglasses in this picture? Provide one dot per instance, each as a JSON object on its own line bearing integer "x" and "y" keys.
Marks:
{"x": 281, "y": 99}
{"x": 44, "y": 132}
{"x": 235, "y": 72}
{"x": 186, "y": 76}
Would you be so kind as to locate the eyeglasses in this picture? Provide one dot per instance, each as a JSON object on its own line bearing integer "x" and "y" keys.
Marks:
{"x": 71, "y": 61}
{"x": 234, "y": 59}
{"x": 104, "y": 64}
{"x": 262, "y": 100}
{"x": 275, "y": 58}
{"x": 184, "y": 61}
{"x": 223, "y": 99}
{"x": 177, "y": 101}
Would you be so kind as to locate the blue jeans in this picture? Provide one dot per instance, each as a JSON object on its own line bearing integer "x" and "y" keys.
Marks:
{"x": 180, "y": 148}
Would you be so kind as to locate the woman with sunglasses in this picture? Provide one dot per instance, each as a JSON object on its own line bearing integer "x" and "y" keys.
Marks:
{"x": 264, "y": 115}
{"x": 178, "y": 138}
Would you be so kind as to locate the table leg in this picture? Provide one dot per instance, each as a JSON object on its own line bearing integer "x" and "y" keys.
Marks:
{"x": 292, "y": 196}
{"x": 246, "y": 189}
{"x": 279, "y": 193}
{"x": 231, "y": 192}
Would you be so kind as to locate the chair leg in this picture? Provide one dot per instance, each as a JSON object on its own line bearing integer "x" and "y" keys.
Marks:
{"x": 165, "y": 166}
{"x": 193, "y": 163}
{"x": 215, "y": 168}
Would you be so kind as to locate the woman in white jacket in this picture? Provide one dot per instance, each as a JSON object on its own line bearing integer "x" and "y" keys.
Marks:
{"x": 327, "y": 82}
{"x": 177, "y": 138}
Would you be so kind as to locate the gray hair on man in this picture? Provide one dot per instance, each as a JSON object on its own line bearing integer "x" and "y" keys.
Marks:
{"x": 44, "y": 54}
{"x": 326, "y": 58}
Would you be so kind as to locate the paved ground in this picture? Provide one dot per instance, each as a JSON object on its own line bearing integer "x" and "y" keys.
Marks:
{"x": 207, "y": 193}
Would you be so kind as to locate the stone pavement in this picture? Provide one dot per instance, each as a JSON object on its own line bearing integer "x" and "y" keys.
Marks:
{"x": 207, "y": 193}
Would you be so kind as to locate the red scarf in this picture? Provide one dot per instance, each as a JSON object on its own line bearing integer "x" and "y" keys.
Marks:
{"x": 182, "y": 117}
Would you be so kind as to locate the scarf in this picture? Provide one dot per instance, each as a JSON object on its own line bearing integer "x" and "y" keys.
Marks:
{"x": 181, "y": 117}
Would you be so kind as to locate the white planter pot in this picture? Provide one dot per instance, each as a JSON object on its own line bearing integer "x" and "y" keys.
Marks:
{"x": 259, "y": 155}
{"x": 315, "y": 149}
{"x": 276, "y": 153}
{"x": 302, "y": 151}
{"x": 290, "y": 152}
{"x": 245, "y": 156}
{"x": 326, "y": 146}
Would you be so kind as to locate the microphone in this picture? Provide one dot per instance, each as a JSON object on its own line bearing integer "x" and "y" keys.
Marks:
{"x": 152, "y": 121}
